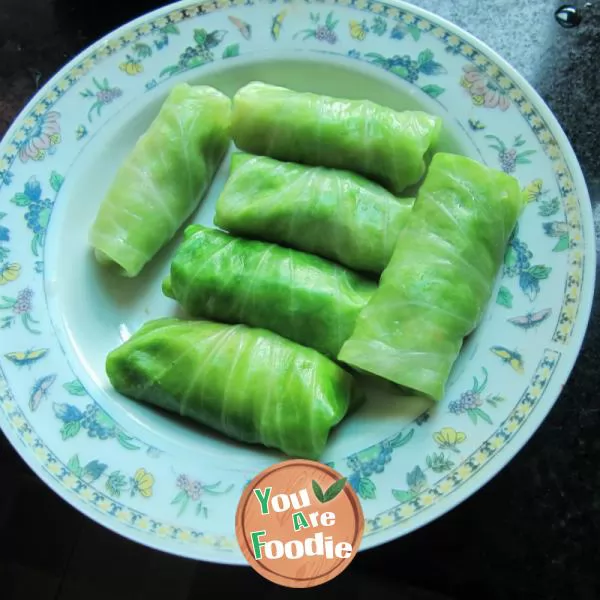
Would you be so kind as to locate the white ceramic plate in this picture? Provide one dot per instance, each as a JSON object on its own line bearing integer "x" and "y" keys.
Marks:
{"x": 174, "y": 486}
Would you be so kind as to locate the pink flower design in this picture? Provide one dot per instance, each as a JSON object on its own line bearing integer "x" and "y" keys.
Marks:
{"x": 484, "y": 91}
{"x": 44, "y": 135}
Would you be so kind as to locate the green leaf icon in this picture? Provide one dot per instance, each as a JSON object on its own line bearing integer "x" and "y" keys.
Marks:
{"x": 335, "y": 489}
{"x": 318, "y": 491}
{"x": 331, "y": 493}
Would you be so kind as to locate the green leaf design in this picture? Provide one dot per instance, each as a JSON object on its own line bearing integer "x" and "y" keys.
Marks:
{"x": 318, "y": 491}
{"x": 231, "y": 51}
{"x": 425, "y": 56}
{"x": 56, "y": 181}
{"x": 183, "y": 506}
{"x": 179, "y": 498}
{"x": 171, "y": 70}
{"x": 414, "y": 31}
{"x": 75, "y": 388}
{"x": 366, "y": 488}
{"x": 214, "y": 38}
{"x": 125, "y": 441}
{"x": 170, "y": 28}
{"x": 200, "y": 36}
{"x": 403, "y": 495}
{"x": 539, "y": 271}
{"x": 70, "y": 430}
{"x": 20, "y": 199}
{"x": 400, "y": 71}
{"x": 562, "y": 244}
{"x": 93, "y": 470}
{"x": 335, "y": 489}
{"x": 74, "y": 465}
{"x": 433, "y": 90}
{"x": 480, "y": 413}
{"x": 504, "y": 297}
{"x": 400, "y": 441}
{"x": 376, "y": 58}
{"x": 472, "y": 415}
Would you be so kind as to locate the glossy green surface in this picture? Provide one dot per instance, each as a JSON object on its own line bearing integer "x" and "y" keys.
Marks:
{"x": 440, "y": 278}
{"x": 163, "y": 179}
{"x": 249, "y": 384}
{"x": 382, "y": 144}
{"x": 302, "y": 297}
{"x": 333, "y": 213}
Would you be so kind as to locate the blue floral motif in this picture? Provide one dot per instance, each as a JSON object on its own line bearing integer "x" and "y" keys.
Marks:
{"x": 372, "y": 461}
{"x": 95, "y": 421}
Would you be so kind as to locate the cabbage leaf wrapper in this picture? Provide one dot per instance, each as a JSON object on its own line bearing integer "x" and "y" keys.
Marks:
{"x": 163, "y": 179}
{"x": 249, "y": 384}
{"x": 441, "y": 276}
{"x": 333, "y": 213}
{"x": 302, "y": 297}
{"x": 380, "y": 143}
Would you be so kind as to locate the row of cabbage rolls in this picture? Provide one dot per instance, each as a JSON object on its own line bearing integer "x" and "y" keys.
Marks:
{"x": 319, "y": 266}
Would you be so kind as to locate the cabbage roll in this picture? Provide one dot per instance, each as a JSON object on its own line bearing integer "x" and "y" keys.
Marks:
{"x": 163, "y": 179}
{"x": 375, "y": 141}
{"x": 302, "y": 297}
{"x": 249, "y": 384}
{"x": 333, "y": 213}
{"x": 440, "y": 277}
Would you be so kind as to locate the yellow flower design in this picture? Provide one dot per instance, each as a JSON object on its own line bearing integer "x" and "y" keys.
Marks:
{"x": 427, "y": 499}
{"x": 29, "y": 122}
{"x": 87, "y": 493}
{"x": 445, "y": 486}
{"x": 130, "y": 36}
{"x": 468, "y": 50}
{"x": 553, "y": 151}
{"x": 377, "y": 8}
{"x": 527, "y": 108}
{"x": 393, "y": 13}
{"x": 447, "y": 438}
{"x": 160, "y": 23}
{"x": 18, "y": 421}
{"x": 386, "y": 520}
{"x": 51, "y": 96}
{"x": 512, "y": 427}
{"x": 453, "y": 40}
{"x": 407, "y": 510}
{"x": 525, "y": 409}
{"x": 143, "y": 523}
{"x": 70, "y": 480}
{"x": 545, "y": 135}
{"x": 504, "y": 82}
{"x": 185, "y": 535}
{"x": 358, "y": 30}
{"x": 424, "y": 25}
{"x": 536, "y": 121}
{"x": 480, "y": 59}
{"x": 124, "y": 515}
{"x": 11, "y": 150}
{"x": 464, "y": 471}
{"x": 63, "y": 84}
{"x": 104, "y": 505}
{"x": 28, "y": 439}
{"x": 41, "y": 454}
{"x": 131, "y": 66}
{"x": 408, "y": 19}
{"x": 480, "y": 457}
{"x": 438, "y": 32}
{"x": 516, "y": 94}
{"x": 143, "y": 482}
{"x": 3, "y": 164}
{"x": 20, "y": 135}
{"x": 178, "y": 15}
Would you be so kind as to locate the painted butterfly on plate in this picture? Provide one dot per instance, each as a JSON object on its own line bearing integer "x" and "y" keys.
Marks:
{"x": 530, "y": 320}
{"x": 39, "y": 391}
{"x": 26, "y": 358}
{"x": 511, "y": 357}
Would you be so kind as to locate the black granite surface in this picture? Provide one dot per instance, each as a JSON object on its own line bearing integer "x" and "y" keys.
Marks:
{"x": 532, "y": 532}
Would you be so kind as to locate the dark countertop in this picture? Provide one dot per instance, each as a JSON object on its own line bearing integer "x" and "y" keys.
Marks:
{"x": 532, "y": 532}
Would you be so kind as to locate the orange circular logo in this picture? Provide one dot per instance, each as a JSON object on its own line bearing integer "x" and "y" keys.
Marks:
{"x": 299, "y": 523}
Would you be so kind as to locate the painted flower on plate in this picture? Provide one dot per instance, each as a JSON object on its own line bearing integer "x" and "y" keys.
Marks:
{"x": 42, "y": 138}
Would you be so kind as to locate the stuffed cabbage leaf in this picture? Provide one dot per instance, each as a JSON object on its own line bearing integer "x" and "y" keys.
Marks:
{"x": 375, "y": 141}
{"x": 249, "y": 384}
{"x": 163, "y": 179}
{"x": 333, "y": 213}
{"x": 305, "y": 298}
{"x": 440, "y": 277}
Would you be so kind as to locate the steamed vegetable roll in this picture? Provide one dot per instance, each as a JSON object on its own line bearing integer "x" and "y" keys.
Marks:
{"x": 440, "y": 278}
{"x": 163, "y": 179}
{"x": 382, "y": 144}
{"x": 305, "y": 298}
{"x": 249, "y": 384}
{"x": 333, "y": 213}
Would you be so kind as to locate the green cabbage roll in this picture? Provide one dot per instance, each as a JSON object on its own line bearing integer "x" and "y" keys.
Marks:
{"x": 440, "y": 278}
{"x": 163, "y": 179}
{"x": 302, "y": 297}
{"x": 375, "y": 141}
{"x": 249, "y": 384}
{"x": 333, "y": 213}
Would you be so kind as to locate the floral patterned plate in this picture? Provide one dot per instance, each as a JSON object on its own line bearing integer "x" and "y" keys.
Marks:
{"x": 165, "y": 483}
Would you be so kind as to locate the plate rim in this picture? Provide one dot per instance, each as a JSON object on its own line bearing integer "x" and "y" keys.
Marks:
{"x": 568, "y": 358}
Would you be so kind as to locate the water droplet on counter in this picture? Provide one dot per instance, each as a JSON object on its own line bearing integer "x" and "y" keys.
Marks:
{"x": 568, "y": 16}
